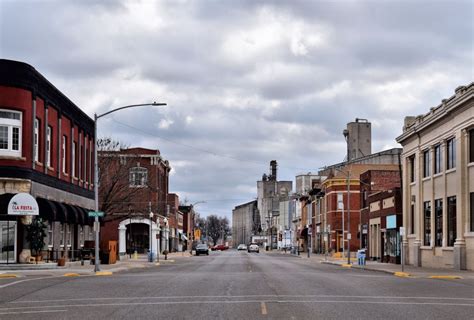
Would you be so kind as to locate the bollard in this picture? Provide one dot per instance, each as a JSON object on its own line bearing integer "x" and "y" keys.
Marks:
{"x": 135, "y": 255}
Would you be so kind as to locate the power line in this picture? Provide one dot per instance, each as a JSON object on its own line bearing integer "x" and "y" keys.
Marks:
{"x": 203, "y": 150}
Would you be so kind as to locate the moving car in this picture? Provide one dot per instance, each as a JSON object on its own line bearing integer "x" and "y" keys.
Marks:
{"x": 219, "y": 247}
{"x": 202, "y": 248}
{"x": 242, "y": 246}
{"x": 253, "y": 247}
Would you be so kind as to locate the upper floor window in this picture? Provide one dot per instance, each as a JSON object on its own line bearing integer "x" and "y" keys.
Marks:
{"x": 426, "y": 163}
{"x": 138, "y": 177}
{"x": 437, "y": 159}
{"x": 411, "y": 162}
{"x": 63, "y": 154}
{"x": 427, "y": 223}
{"x": 10, "y": 133}
{"x": 36, "y": 140}
{"x": 73, "y": 159}
{"x": 451, "y": 154}
{"x": 49, "y": 137}
{"x": 471, "y": 145}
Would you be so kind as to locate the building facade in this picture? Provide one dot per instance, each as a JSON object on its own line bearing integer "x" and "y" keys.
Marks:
{"x": 244, "y": 224}
{"x": 46, "y": 150}
{"x": 133, "y": 193}
{"x": 438, "y": 184}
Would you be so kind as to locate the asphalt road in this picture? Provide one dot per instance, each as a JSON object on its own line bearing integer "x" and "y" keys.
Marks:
{"x": 239, "y": 285}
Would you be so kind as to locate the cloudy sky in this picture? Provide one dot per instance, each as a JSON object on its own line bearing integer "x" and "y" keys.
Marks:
{"x": 245, "y": 81}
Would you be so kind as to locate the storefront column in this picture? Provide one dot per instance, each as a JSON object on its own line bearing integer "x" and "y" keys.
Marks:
{"x": 122, "y": 240}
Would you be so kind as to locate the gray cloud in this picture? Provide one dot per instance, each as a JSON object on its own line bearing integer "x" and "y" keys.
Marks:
{"x": 245, "y": 81}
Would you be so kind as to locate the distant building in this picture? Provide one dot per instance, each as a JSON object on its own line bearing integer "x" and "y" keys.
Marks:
{"x": 359, "y": 139}
{"x": 244, "y": 225}
{"x": 438, "y": 183}
{"x": 269, "y": 192}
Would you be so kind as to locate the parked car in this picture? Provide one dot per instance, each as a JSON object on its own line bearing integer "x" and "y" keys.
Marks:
{"x": 253, "y": 248}
{"x": 202, "y": 248}
{"x": 242, "y": 246}
{"x": 219, "y": 247}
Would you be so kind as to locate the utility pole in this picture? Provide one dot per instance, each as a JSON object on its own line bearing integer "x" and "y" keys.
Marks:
{"x": 349, "y": 235}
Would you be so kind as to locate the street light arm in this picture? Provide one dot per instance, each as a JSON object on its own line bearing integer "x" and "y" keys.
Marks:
{"x": 130, "y": 106}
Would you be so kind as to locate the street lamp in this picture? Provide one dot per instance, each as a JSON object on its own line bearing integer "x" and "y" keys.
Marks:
{"x": 192, "y": 209}
{"x": 96, "y": 174}
{"x": 150, "y": 258}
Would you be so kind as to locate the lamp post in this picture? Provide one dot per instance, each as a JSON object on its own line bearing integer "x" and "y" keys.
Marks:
{"x": 150, "y": 258}
{"x": 96, "y": 174}
{"x": 192, "y": 209}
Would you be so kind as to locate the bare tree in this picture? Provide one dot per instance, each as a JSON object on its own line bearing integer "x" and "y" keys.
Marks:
{"x": 115, "y": 194}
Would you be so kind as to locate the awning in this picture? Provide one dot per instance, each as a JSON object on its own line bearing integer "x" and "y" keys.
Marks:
{"x": 184, "y": 236}
{"x": 47, "y": 209}
{"x": 61, "y": 213}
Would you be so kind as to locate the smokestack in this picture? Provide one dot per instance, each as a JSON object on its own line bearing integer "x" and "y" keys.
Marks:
{"x": 273, "y": 170}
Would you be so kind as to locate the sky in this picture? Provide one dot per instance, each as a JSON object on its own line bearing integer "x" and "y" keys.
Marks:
{"x": 245, "y": 82}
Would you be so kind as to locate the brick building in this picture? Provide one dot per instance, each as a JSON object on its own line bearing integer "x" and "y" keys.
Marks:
{"x": 46, "y": 150}
{"x": 133, "y": 184}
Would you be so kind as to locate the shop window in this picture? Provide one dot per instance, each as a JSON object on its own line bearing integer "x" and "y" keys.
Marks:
{"x": 69, "y": 235}
{"x": 80, "y": 229}
{"x": 50, "y": 233}
{"x": 61, "y": 234}
{"x": 10, "y": 133}
{"x": 412, "y": 218}
{"x": 472, "y": 212}
{"x": 438, "y": 223}
{"x": 427, "y": 223}
{"x": 138, "y": 177}
{"x": 451, "y": 221}
{"x": 451, "y": 154}
{"x": 426, "y": 163}
{"x": 437, "y": 159}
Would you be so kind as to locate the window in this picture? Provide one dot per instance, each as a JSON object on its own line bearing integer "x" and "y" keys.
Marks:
{"x": 69, "y": 234}
{"x": 10, "y": 133}
{"x": 472, "y": 212}
{"x": 412, "y": 218}
{"x": 471, "y": 145}
{"x": 138, "y": 177}
{"x": 36, "y": 140}
{"x": 437, "y": 159}
{"x": 427, "y": 223}
{"x": 426, "y": 163}
{"x": 451, "y": 221}
{"x": 50, "y": 234}
{"x": 451, "y": 154}
{"x": 80, "y": 229}
{"x": 411, "y": 162}
{"x": 80, "y": 161}
{"x": 61, "y": 235}
{"x": 73, "y": 159}
{"x": 438, "y": 223}
{"x": 63, "y": 154}
{"x": 49, "y": 137}
{"x": 84, "y": 177}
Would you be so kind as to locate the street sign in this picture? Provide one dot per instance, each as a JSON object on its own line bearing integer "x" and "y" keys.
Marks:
{"x": 96, "y": 214}
{"x": 402, "y": 231}
{"x": 197, "y": 234}
{"x": 349, "y": 236}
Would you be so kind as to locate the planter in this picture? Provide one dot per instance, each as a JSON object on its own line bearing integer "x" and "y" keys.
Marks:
{"x": 39, "y": 258}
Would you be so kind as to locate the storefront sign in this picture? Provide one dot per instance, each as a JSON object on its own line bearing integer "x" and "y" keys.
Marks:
{"x": 23, "y": 204}
{"x": 391, "y": 222}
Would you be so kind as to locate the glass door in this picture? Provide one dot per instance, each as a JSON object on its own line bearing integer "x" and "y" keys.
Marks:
{"x": 7, "y": 241}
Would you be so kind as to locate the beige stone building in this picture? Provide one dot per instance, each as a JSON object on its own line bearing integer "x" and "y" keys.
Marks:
{"x": 438, "y": 184}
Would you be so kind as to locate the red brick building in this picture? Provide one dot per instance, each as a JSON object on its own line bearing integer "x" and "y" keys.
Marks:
{"x": 46, "y": 150}
{"x": 133, "y": 184}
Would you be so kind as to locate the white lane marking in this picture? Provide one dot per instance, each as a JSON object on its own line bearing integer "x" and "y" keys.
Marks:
{"x": 36, "y": 311}
{"x": 241, "y": 296}
{"x": 237, "y": 302}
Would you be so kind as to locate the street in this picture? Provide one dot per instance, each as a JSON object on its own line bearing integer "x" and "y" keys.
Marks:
{"x": 238, "y": 285}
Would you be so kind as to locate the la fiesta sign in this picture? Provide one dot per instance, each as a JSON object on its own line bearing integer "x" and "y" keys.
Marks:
{"x": 23, "y": 204}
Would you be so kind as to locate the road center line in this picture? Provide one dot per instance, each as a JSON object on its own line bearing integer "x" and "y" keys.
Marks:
{"x": 263, "y": 306}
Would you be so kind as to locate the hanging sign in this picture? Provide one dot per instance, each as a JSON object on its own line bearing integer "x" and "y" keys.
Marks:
{"x": 23, "y": 204}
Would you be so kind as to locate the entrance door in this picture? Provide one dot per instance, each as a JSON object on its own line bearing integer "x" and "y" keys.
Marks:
{"x": 138, "y": 237}
{"x": 340, "y": 243}
{"x": 7, "y": 241}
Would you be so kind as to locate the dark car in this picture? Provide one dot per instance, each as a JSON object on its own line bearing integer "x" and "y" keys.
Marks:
{"x": 202, "y": 248}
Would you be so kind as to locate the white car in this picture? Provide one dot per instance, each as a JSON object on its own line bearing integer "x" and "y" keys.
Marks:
{"x": 253, "y": 248}
{"x": 242, "y": 246}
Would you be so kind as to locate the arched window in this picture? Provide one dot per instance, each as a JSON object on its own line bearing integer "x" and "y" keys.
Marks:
{"x": 138, "y": 177}
{"x": 10, "y": 133}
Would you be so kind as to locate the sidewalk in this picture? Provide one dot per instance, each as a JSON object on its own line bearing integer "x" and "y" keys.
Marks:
{"x": 76, "y": 269}
{"x": 395, "y": 269}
